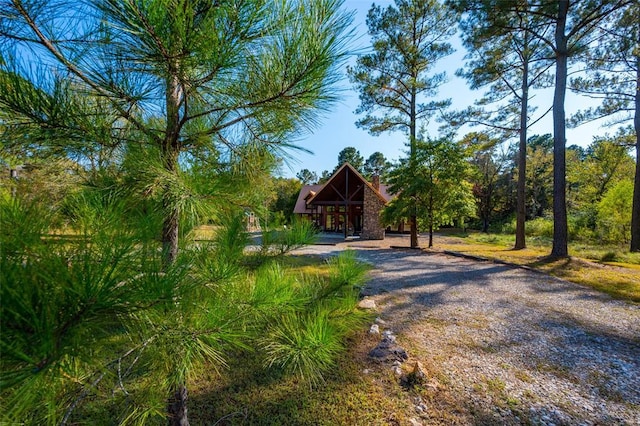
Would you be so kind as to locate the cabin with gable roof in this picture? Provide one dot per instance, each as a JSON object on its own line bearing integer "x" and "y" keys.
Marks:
{"x": 346, "y": 203}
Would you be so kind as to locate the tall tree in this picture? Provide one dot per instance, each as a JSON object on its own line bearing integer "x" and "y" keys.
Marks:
{"x": 377, "y": 165}
{"x": 182, "y": 74}
{"x": 407, "y": 39}
{"x": 352, "y": 156}
{"x": 433, "y": 185}
{"x": 574, "y": 23}
{"x": 306, "y": 176}
{"x": 178, "y": 76}
{"x": 505, "y": 57}
{"x": 613, "y": 75}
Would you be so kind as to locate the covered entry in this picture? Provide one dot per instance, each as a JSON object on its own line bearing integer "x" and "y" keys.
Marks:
{"x": 342, "y": 197}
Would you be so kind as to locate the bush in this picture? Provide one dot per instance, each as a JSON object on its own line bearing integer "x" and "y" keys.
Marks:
{"x": 300, "y": 233}
{"x": 610, "y": 256}
{"x": 540, "y": 227}
{"x": 614, "y": 213}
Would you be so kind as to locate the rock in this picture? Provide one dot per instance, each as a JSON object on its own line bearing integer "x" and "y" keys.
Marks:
{"x": 388, "y": 351}
{"x": 374, "y": 329}
{"x": 388, "y": 334}
{"x": 380, "y": 321}
{"x": 397, "y": 371}
{"x": 366, "y": 371}
{"x": 367, "y": 304}
{"x": 417, "y": 376}
{"x": 414, "y": 422}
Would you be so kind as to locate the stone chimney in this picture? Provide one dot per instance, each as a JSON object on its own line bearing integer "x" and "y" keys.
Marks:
{"x": 375, "y": 181}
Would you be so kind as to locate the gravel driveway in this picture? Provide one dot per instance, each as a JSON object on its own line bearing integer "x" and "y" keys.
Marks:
{"x": 510, "y": 345}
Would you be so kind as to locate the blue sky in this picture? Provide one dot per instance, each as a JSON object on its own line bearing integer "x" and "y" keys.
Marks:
{"x": 337, "y": 128}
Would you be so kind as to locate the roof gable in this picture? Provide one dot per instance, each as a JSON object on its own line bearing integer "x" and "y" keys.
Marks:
{"x": 306, "y": 192}
{"x": 332, "y": 189}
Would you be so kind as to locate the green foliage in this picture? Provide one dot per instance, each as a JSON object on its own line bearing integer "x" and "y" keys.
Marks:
{"x": 346, "y": 270}
{"x": 606, "y": 162}
{"x": 540, "y": 227}
{"x": 504, "y": 58}
{"x": 301, "y": 232}
{"x": 307, "y": 343}
{"x": 399, "y": 67}
{"x": 539, "y": 176}
{"x": 433, "y": 185}
{"x": 377, "y": 165}
{"x": 181, "y": 79}
{"x": 23, "y": 223}
{"x": 65, "y": 304}
{"x": 307, "y": 177}
{"x": 96, "y": 328}
{"x": 614, "y": 213}
{"x": 281, "y": 207}
{"x": 220, "y": 261}
{"x": 352, "y": 156}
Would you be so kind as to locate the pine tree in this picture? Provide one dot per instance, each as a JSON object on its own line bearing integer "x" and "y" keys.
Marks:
{"x": 175, "y": 76}
{"x": 408, "y": 39}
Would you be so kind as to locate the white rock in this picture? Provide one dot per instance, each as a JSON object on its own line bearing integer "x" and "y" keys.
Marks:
{"x": 374, "y": 329}
{"x": 367, "y": 304}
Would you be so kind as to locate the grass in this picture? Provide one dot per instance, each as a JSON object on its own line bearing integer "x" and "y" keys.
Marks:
{"x": 617, "y": 275}
{"x": 247, "y": 394}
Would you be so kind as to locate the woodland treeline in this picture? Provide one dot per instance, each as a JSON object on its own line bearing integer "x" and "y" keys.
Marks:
{"x": 513, "y": 49}
{"x": 599, "y": 181}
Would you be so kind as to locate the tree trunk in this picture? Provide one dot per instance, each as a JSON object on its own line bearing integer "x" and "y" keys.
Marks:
{"x": 412, "y": 159}
{"x": 560, "y": 228}
{"x": 431, "y": 219}
{"x": 521, "y": 212}
{"x": 635, "y": 213}
{"x": 170, "y": 153}
{"x": 177, "y": 408}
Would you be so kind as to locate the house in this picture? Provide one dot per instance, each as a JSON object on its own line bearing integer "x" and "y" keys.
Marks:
{"x": 346, "y": 203}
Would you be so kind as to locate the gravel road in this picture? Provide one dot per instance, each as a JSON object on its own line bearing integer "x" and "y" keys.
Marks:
{"x": 510, "y": 345}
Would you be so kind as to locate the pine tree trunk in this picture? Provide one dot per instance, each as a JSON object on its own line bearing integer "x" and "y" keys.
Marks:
{"x": 177, "y": 408}
{"x": 170, "y": 153}
{"x": 412, "y": 159}
{"x": 431, "y": 219}
{"x": 635, "y": 213}
{"x": 560, "y": 228}
{"x": 521, "y": 213}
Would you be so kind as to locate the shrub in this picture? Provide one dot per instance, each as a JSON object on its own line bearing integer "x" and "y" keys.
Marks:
{"x": 610, "y": 256}
{"x": 614, "y": 213}
{"x": 300, "y": 233}
{"x": 540, "y": 227}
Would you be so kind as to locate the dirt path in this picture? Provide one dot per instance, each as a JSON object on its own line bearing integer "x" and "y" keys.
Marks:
{"x": 504, "y": 345}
